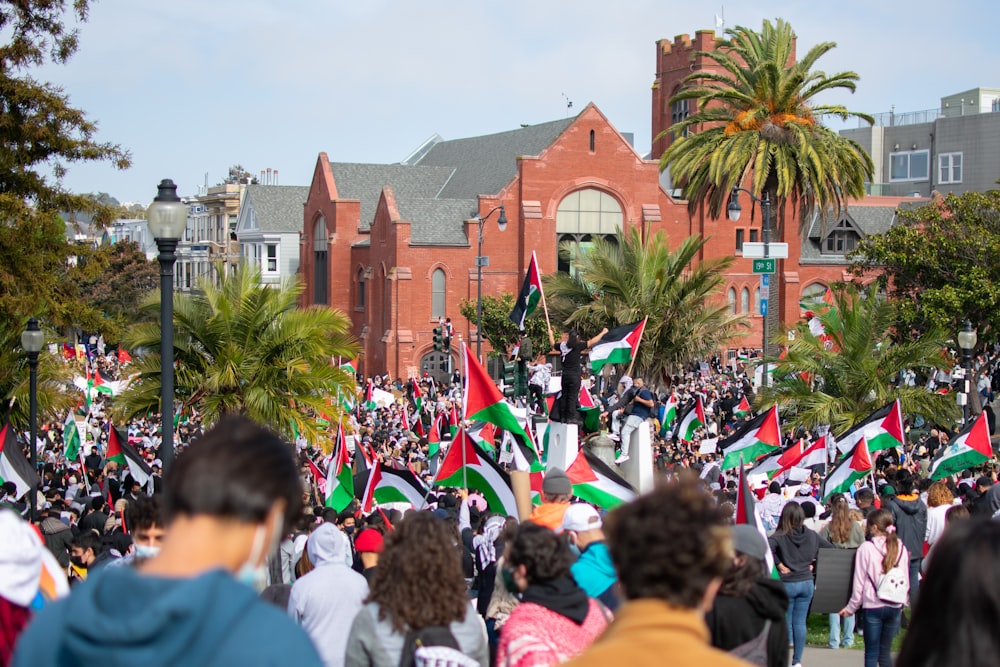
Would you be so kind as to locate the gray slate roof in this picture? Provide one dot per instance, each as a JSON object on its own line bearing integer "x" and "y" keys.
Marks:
{"x": 483, "y": 165}
{"x": 439, "y": 191}
{"x": 868, "y": 219}
{"x": 278, "y": 208}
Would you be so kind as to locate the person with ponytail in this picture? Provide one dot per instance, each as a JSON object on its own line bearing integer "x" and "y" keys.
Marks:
{"x": 882, "y": 553}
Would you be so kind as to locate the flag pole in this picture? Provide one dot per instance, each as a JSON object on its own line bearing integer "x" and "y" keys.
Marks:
{"x": 637, "y": 344}
{"x": 545, "y": 307}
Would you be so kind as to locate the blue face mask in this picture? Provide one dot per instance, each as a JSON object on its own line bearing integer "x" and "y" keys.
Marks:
{"x": 575, "y": 549}
{"x": 144, "y": 551}
{"x": 253, "y": 572}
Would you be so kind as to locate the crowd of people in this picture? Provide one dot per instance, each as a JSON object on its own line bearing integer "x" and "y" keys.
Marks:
{"x": 236, "y": 548}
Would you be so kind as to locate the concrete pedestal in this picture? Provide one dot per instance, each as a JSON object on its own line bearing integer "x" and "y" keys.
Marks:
{"x": 602, "y": 447}
{"x": 638, "y": 470}
{"x": 564, "y": 443}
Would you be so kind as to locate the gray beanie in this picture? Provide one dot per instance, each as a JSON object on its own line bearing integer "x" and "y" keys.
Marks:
{"x": 556, "y": 483}
{"x": 748, "y": 540}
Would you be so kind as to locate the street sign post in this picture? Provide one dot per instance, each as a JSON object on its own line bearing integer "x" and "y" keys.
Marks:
{"x": 763, "y": 307}
{"x": 755, "y": 250}
{"x": 765, "y": 280}
{"x": 764, "y": 265}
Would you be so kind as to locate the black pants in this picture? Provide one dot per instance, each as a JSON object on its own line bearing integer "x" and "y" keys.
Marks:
{"x": 569, "y": 400}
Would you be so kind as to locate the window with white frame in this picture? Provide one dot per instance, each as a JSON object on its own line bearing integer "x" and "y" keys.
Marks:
{"x": 438, "y": 293}
{"x": 272, "y": 257}
{"x": 909, "y": 166}
{"x": 842, "y": 239}
{"x": 731, "y": 296}
{"x": 950, "y": 168}
{"x": 745, "y": 300}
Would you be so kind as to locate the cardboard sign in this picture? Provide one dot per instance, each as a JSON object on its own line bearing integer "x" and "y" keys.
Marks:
{"x": 834, "y": 579}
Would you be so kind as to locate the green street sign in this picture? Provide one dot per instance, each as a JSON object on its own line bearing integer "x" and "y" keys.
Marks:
{"x": 764, "y": 265}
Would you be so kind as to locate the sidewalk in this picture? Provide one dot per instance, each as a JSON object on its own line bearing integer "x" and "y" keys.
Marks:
{"x": 825, "y": 657}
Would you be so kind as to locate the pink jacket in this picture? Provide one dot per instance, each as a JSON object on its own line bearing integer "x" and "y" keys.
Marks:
{"x": 868, "y": 571}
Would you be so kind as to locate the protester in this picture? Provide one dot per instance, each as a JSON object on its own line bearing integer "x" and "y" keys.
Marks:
{"x": 795, "y": 550}
{"x": 571, "y": 349}
{"x": 327, "y": 616}
{"x": 555, "y": 619}
{"x": 955, "y": 623}
{"x": 748, "y": 616}
{"x": 593, "y": 570}
{"x": 909, "y": 515}
{"x": 419, "y": 593}
{"x": 883, "y": 554}
{"x": 844, "y": 533}
{"x": 58, "y": 537}
{"x": 557, "y": 491}
{"x": 939, "y": 500}
{"x": 642, "y": 405}
{"x": 369, "y": 545}
{"x": 671, "y": 548}
{"x": 195, "y": 602}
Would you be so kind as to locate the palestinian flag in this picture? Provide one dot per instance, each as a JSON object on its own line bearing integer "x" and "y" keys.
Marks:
{"x": 618, "y": 346}
{"x": 467, "y": 465}
{"x": 485, "y": 434}
{"x": 369, "y": 401}
{"x": 594, "y": 481}
{"x": 753, "y": 439}
{"x": 405, "y": 419}
{"x": 484, "y": 402}
{"x": 452, "y": 421}
{"x": 124, "y": 454}
{"x": 591, "y": 411}
{"x": 339, "y": 487}
{"x": 692, "y": 419}
{"x": 434, "y": 437}
{"x": 882, "y": 430}
{"x": 855, "y": 466}
{"x": 396, "y": 486}
{"x": 970, "y": 448}
{"x": 418, "y": 398}
{"x": 317, "y": 476}
{"x": 100, "y": 385}
{"x": 350, "y": 367}
{"x": 71, "y": 438}
{"x": 529, "y": 296}
{"x": 768, "y": 466}
{"x": 743, "y": 409}
{"x": 814, "y": 454}
{"x": 123, "y": 356}
{"x": 14, "y": 467}
{"x": 667, "y": 414}
{"x": 746, "y": 514}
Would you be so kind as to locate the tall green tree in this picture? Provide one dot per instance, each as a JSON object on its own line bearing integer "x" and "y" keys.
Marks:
{"x": 499, "y": 330}
{"x": 55, "y": 397}
{"x": 842, "y": 382}
{"x": 630, "y": 278}
{"x": 758, "y": 122}
{"x": 939, "y": 263}
{"x": 118, "y": 276}
{"x": 245, "y": 348}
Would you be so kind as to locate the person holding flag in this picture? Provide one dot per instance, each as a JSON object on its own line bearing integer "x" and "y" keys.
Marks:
{"x": 571, "y": 349}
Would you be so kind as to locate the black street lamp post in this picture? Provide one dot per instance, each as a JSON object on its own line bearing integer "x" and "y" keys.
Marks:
{"x": 32, "y": 340}
{"x": 733, "y": 211}
{"x": 480, "y": 263}
{"x": 967, "y": 339}
{"x": 167, "y": 219}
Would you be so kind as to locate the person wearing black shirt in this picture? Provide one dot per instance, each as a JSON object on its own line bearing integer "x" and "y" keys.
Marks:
{"x": 571, "y": 350}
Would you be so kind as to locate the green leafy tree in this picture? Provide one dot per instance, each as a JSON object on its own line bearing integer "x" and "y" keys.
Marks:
{"x": 842, "y": 382}
{"x": 624, "y": 281}
{"x": 118, "y": 277}
{"x": 243, "y": 347}
{"x": 54, "y": 378}
{"x": 939, "y": 263}
{"x": 501, "y": 333}
{"x": 758, "y": 120}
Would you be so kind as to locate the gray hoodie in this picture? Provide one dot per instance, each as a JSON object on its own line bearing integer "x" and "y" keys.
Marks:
{"x": 326, "y": 600}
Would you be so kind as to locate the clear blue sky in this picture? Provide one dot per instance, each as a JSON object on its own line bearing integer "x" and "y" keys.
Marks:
{"x": 194, "y": 86}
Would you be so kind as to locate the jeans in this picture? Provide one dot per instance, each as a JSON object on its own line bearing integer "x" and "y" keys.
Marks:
{"x": 881, "y": 626}
{"x": 631, "y": 424}
{"x": 836, "y": 640}
{"x": 915, "y": 564}
{"x": 800, "y": 594}
{"x": 569, "y": 400}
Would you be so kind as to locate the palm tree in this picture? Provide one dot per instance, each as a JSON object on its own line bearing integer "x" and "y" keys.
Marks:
{"x": 626, "y": 280}
{"x": 757, "y": 119}
{"x": 55, "y": 394}
{"x": 242, "y": 347}
{"x": 842, "y": 376}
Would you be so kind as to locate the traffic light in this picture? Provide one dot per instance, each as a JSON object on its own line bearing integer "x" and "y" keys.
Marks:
{"x": 439, "y": 339}
{"x": 509, "y": 373}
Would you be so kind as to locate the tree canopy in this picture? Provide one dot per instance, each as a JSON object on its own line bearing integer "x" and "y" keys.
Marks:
{"x": 622, "y": 281}
{"x": 852, "y": 369}
{"x": 499, "y": 330}
{"x": 939, "y": 263}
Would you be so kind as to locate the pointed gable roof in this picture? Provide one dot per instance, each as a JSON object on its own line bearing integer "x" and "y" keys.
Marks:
{"x": 277, "y": 208}
{"x": 365, "y": 182}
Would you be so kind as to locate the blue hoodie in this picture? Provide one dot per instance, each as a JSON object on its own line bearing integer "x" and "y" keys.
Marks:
{"x": 595, "y": 574}
{"x": 121, "y": 617}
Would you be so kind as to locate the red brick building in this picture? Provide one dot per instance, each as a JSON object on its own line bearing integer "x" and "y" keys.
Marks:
{"x": 394, "y": 246}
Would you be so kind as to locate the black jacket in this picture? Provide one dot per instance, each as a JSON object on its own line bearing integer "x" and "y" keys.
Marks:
{"x": 910, "y": 517}
{"x": 736, "y": 620}
{"x": 797, "y": 551}
{"x": 58, "y": 539}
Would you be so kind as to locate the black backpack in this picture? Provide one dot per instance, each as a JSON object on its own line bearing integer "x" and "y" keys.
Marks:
{"x": 755, "y": 650}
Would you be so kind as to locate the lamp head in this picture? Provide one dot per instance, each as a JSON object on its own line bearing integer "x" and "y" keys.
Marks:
{"x": 502, "y": 220}
{"x": 167, "y": 215}
{"x": 733, "y": 210}
{"x": 32, "y": 338}
{"x": 967, "y": 337}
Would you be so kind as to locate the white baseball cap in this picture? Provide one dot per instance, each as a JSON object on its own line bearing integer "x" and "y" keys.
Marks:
{"x": 579, "y": 518}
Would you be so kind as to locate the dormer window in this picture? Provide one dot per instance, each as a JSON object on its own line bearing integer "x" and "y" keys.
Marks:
{"x": 842, "y": 239}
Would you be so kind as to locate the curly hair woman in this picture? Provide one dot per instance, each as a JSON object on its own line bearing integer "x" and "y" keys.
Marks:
{"x": 555, "y": 620}
{"x": 419, "y": 585}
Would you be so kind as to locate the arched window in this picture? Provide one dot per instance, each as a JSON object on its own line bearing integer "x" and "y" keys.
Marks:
{"x": 438, "y": 294}
{"x": 321, "y": 270}
{"x": 581, "y": 217}
{"x": 731, "y": 296}
{"x": 812, "y": 296}
{"x": 361, "y": 289}
{"x": 745, "y": 300}
{"x": 756, "y": 301}
{"x": 678, "y": 112}
{"x": 591, "y": 141}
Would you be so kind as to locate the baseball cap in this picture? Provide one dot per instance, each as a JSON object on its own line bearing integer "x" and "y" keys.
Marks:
{"x": 580, "y": 517}
{"x": 368, "y": 540}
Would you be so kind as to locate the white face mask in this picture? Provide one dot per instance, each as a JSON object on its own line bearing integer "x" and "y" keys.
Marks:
{"x": 253, "y": 572}
{"x": 146, "y": 551}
